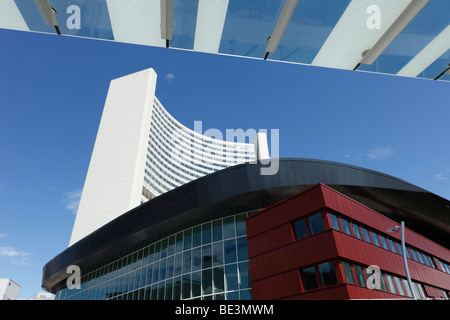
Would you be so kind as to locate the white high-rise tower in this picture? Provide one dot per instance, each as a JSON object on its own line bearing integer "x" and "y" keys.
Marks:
{"x": 141, "y": 151}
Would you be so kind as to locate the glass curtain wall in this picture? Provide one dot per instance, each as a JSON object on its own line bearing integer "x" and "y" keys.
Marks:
{"x": 207, "y": 261}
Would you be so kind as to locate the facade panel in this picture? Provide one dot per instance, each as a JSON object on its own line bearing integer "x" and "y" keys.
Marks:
{"x": 330, "y": 261}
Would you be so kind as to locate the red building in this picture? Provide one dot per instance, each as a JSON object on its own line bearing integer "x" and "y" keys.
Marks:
{"x": 321, "y": 244}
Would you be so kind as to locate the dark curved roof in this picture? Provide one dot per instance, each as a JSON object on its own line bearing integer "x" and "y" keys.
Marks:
{"x": 242, "y": 188}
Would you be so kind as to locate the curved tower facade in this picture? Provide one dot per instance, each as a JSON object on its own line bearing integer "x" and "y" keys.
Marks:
{"x": 141, "y": 152}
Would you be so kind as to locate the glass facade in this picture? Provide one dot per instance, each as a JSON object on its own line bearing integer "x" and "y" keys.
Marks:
{"x": 207, "y": 261}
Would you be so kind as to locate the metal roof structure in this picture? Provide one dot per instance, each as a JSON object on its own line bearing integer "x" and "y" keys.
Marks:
{"x": 241, "y": 188}
{"x": 409, "y": 38}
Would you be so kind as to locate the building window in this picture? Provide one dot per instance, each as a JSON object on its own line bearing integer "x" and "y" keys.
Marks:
{"x": 399, "y": 286}
{"x": 327, "y": 273}
{"x": 348, "y": 272}
{"x": 407, "y": 253}
{"x": 375, "y": 238}
{"x": 384, "y": 242}
{"x": 346, "y": 226}
{"x": 356, "y": 231}
{"x": 390, "y": 284}
{"x": 334, "y": 222}
{"x": 300, "y": 229}
{"x": 399, "y": 248}
{"x": 360, "y": 276}
{"x": 414, "y": 253}
{"x": 309, "y": 278}
{"x": 391, "y": 243}
{"x": 366, "y": 235}
{"x": 407, "y": 288}
{"x": 419, "y": 254}
{"x": 316, "y": 223}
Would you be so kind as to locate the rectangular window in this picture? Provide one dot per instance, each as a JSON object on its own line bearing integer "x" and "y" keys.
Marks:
{"x": 196, "y": 284}
{"x": 309, "y": 279}
{"x": 187, "y": 239}
{"x": 346, "y": 226}
{"x": 416, "y": 255}
{"x": 207, "y": 281}
{"x": 178, "y": 243}
{"x": 366, "y": 235}
{"x": 391, "y": 243}
{"x": 228, "y": 228}
{"x": 407, "y": 288}
{"x": 206, "y": 256}
{"x": 197, "y": 236}
{"x": 334, "y": 222}
{"x": 360, "y": 276}
{"x": 327, "y": 273}
{"x": 384, "y": 242}
{"x": 217, "y": 230}
{"x": 316, "y": 223}
{"x": 300, "y": 229}
{"x": 231, "y": 277}
{"x": 176, "y": 289}
{"x": 356, "y": 231}
{"x": 218, "y": 280}
{"x": 407, "y": 253}
{"x": 432, "y": 262}
{"x": 170, "y": 264}
{"x": 419, "y": 254}
{"x": 375, "y": 238}
{"x": 196, "y": 259}
{"x": 427, "y": 259}
{"x": 230, "y": 250}
{"x": 242, "y": 249}
{"x": 186, "y": 286}
{"x": 171, "y": 248}
{"x": 178, "y": 264}
{"x": 244, "y": 275}
{"x": 348, "y": 272}
{"x": 420, "y": 289}
{"x": 218, "y": 254}
{"x": 240, "y": 225}
{"x": 390, "y": 284}
{"x": 399, "y": 248}
{"x": 399, "y": 286}
{"x": 187, "y": 261}
{"x": 206, "y": 233}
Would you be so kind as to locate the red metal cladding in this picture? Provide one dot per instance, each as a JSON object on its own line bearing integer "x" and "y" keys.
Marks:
{"x": 277, "y": 257}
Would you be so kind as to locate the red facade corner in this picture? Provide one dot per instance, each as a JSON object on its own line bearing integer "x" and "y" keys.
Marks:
{"x": 319, "y": 244}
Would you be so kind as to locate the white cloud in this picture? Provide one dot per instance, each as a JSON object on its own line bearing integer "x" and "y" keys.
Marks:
{"x": 71, "y": 200}
{"x": 440, "y": 176}
{"x": 20, "y": 258}
{"x": 170, "y": 77}
{"x": 3, "y": 235}
{"x": 380, "y": 153}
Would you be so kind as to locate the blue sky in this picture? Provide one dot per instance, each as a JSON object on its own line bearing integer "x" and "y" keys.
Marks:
{"x": 53, "y": 89}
